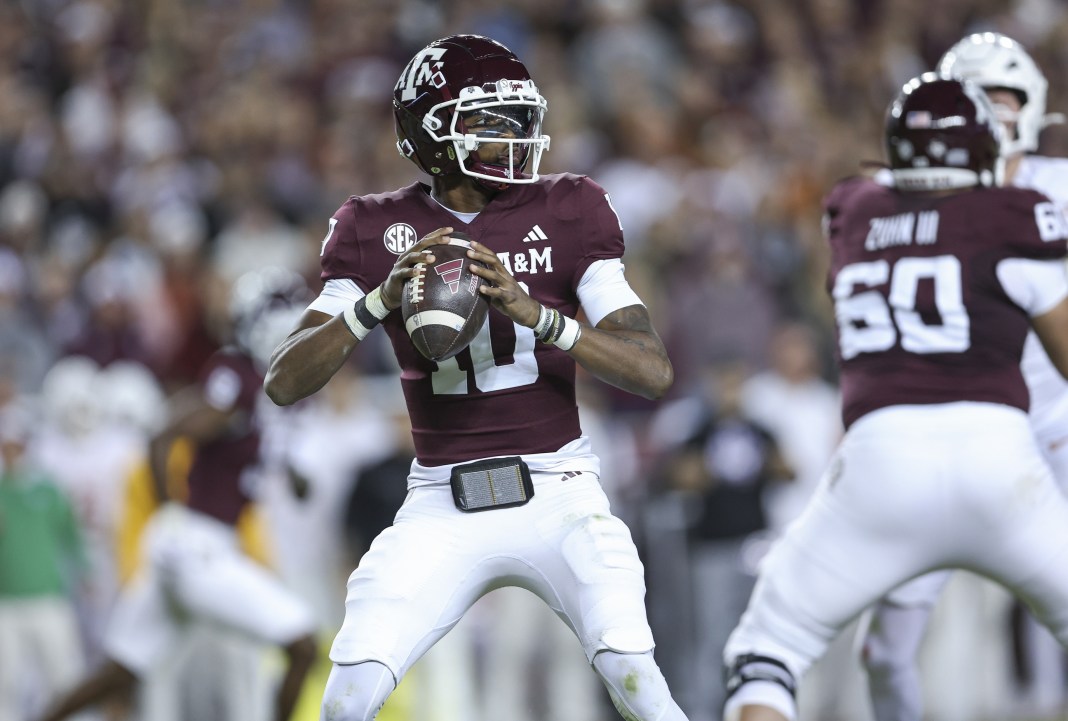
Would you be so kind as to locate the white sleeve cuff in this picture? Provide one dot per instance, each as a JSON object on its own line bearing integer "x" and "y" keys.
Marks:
{"x": 337, "y": 296}
{"x": 604, "y": 289}
{"x": 1034, "y": 285}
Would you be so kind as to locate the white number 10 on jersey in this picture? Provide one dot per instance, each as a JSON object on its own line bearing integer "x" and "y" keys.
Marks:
{"x": 451, "y": 379}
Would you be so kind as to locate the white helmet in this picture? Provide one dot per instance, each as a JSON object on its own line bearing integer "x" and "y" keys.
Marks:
{"x": 68, "y": 395}
{"x": 131, "y": 396}
{"x": 265, "y": 306}
{"x": 993, "y": 60}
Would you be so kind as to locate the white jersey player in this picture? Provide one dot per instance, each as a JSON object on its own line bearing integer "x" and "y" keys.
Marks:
{"x": 1017, "y": 89}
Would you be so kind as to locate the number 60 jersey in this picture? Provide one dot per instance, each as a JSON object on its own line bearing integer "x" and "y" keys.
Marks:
{"x": 933, "y": 295}
{"x": 505, "y": 394}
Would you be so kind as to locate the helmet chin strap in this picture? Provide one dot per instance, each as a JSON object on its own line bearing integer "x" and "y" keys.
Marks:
{"x": 486, "y": 182}
{"x": 480, "y": 170}
{"x": 473, "y": 171}
{"x": 495, "y": 187}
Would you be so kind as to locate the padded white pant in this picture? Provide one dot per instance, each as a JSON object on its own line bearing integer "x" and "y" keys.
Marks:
{"x": 913, "y": 489}
{"x": 637, "y": 687}
{"x": 356, "y": 692}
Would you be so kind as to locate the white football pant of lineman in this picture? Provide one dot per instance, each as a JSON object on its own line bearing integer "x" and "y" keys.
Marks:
{"x": 890, "y": 649}
{"x": 893, "y": 631}
{"x": 911, "y": 489}
{"x": 424, "y": 572}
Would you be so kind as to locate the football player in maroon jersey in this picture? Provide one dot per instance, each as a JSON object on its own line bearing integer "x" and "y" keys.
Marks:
{"x": 194, "y": 566}
{"x": 1017, "y": 88}
{"x": 505, "y": 488}
{"x": 936, "y": 282}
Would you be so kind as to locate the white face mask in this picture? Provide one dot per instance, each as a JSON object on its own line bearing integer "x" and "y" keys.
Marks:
{"x": 525, "y": 140}
{"x": 1006, "y": 114}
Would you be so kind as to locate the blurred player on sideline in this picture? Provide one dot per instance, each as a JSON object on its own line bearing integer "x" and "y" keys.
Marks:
{"x": 935, "y": 283}
{"x": 41, "y": 559}
{"x": 1017, "y": 89}
{"x": 195, "y": 568}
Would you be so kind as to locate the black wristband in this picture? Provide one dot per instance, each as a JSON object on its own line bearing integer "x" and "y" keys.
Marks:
{"x": 366, "y": 318}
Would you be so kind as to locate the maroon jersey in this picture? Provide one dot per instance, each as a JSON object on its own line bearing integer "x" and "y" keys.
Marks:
{"x": 922, "y": 317}
{"x": 505, "y": 394}
{"x": 217, "y": 478}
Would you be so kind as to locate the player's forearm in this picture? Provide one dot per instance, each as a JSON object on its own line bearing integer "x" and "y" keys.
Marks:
{"x": 634, "y": 361}
{"x": 305, "y": 361}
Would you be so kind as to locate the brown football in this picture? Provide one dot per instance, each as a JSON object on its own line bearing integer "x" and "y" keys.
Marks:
{"x": 442, "y": 308}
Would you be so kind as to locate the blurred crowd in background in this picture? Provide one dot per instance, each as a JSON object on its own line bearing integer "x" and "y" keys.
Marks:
{"x": 152, "y": 152}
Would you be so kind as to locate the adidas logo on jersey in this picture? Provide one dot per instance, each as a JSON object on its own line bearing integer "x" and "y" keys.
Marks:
{"x": 535, "y": 234}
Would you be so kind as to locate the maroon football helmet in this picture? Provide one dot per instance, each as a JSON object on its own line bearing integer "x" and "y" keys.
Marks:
{"x": 943, "y": 133}
{"x": 460, "y": 92}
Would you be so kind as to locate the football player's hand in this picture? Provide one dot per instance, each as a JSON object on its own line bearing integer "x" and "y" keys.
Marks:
{"x": 404, "y": 268}
{"x": 504, "y": 292}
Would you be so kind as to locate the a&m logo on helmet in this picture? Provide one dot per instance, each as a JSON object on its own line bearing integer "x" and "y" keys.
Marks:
{"x": 398, "y": 238}
{"x": 424, "y": 67}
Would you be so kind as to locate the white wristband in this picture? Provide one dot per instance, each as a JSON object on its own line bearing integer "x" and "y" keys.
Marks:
{"x": 375, "y": 305}
{"x": 365, "y": 314}
{"x": 569, "y": 336}
{"x": 541, "y": 328}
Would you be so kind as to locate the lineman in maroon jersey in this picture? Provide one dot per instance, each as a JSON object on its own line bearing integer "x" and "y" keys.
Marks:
{"x": 891, "y": 641}
{"x": 935, "y": 283}
{"x": 194, "y": 567}
{"x": 468, "y": 114}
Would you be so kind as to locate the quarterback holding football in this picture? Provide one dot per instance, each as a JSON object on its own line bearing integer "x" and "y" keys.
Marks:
{"x": 505, "y": 488}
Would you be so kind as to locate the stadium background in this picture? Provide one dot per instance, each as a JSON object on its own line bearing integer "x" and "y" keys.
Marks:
{"x": 151, "y": 152}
